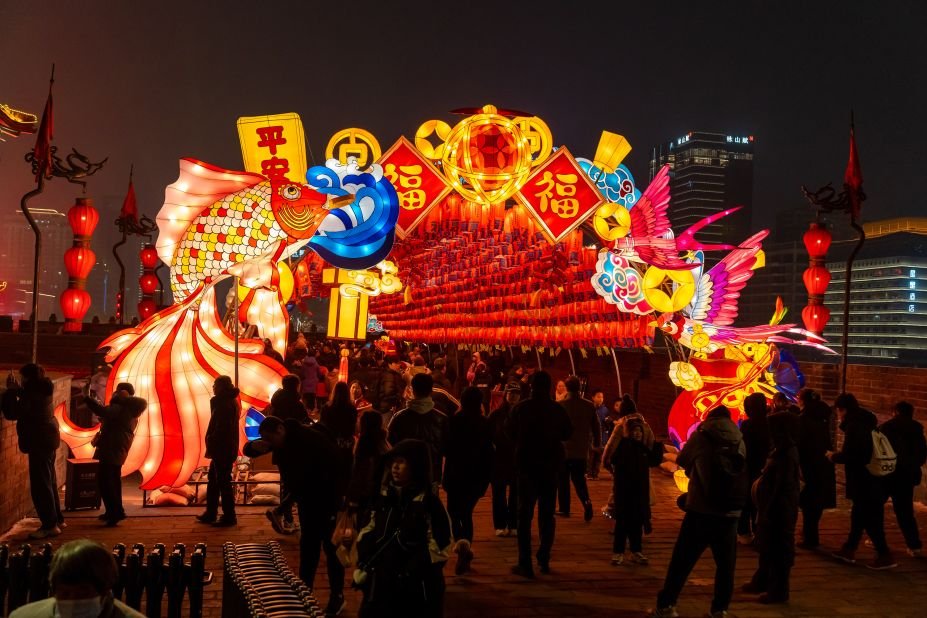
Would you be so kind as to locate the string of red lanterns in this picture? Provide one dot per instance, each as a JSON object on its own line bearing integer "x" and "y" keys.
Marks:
{"x": 79, "y": 260}
{"x": 816, "y": 277}
{"x": 148, "y": 282}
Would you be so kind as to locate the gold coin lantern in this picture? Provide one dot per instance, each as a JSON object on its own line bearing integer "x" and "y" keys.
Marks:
{"x": 611, "y": 222}
{"x": 486, "y": 157}
{"x": 683, "y": 282}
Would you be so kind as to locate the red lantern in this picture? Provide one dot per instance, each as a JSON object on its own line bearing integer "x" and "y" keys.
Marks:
{"x": 148, "y": 283}
{"x": 83, "y": 217}
{"x": 79, "y": 261}
{"x": 74, "y": 305}
{"x": 146, "y": 307}
{"x": 149, "y": 257}
{"x": 817, "y": 241}
{"x": 816, "y": 279}
{"x": 815, "y": 318}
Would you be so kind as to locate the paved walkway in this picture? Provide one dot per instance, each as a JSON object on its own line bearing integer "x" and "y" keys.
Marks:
{"x": 582, "y": 582}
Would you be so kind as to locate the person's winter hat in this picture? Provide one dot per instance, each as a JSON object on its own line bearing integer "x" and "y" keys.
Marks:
{"x": 125, "y": 386}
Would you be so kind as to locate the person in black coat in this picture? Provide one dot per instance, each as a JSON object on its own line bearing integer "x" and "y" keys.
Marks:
{"x": 404, "y": 539}
{"x": 775, "y": 494}
{"x": 222, "y": 439}
{"x": 757, "y": 442}
{"x": 371, "y": 446}
{"x": 867, "y": 492}
{"x": 421, "y": 420}
{"x": 467, "y": 470}
{"x": 287, "y": 401}
{"x": 118, "y": 421}
{"x": 306, "y": 456}
{"x": 816, "y": 439}
{"x": 503, "y": 464}
{"x": 907, "y": 438}
{"x": 631, "y": 463}
{"x": 29, "y": 403}
{"x": 388, "y": 389}
{"x": 538, "y": 426}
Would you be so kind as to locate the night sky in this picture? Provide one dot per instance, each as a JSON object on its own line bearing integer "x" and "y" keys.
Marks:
{"x": 151, "y": 82}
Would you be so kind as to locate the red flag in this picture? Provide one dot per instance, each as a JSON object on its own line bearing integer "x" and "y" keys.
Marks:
{"x": 853, "y": 177}
{"x": 129, "y": 210}
{"x": 42, "y": 149}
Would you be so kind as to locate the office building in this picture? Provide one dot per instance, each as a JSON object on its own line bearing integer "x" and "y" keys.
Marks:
{"x": 711, "y": 173}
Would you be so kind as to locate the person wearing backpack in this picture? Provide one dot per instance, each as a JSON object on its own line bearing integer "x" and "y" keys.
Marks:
{"x": 865, "y": 490}
{"x": 907, "y": 438}
{"x": 714, "y": 459}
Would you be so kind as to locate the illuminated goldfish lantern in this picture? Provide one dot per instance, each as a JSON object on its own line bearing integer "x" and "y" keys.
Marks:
{"x": 487, "y": 157}
{"x": 214, "y": 224}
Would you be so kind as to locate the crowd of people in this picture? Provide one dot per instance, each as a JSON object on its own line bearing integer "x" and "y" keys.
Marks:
{"x": 364, "y": 459}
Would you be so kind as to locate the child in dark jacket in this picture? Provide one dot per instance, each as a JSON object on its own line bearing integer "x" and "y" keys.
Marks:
{"x": 404, "y": 540}
{"x": 631, "y": 463}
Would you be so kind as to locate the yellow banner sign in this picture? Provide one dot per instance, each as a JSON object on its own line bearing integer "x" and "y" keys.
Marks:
{"x": 274, "y": 146}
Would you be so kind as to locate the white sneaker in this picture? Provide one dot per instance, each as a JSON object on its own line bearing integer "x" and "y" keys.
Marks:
{"x": 500, "y": 532}
{"x": 617, "y": 559}
{"x": 639, "y": 558}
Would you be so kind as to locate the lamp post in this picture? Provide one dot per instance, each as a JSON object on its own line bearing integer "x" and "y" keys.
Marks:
{"x": 849, "y": 201}
{"x": 46, "y": 164}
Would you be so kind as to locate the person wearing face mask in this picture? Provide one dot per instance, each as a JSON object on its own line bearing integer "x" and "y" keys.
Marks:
{"x": 82, "y": 576}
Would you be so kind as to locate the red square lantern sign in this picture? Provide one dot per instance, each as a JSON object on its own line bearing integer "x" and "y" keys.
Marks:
{"x": 559, "y": 195}
{"x": 418, "y": 185}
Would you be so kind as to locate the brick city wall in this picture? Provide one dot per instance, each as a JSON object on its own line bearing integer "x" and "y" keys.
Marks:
{"x": 15, "y": 500}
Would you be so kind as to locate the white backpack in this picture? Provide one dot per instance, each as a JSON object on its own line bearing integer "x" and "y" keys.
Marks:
{"x": 883, "y": 460}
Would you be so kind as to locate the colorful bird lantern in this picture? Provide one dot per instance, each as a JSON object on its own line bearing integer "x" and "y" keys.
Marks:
{"x": 78, "y": 260}
{"x": 148, "y": 282}
{"x": 816, "y": 277}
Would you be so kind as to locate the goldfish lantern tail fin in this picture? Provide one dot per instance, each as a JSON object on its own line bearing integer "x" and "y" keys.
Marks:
{"x": 172, "y": 359}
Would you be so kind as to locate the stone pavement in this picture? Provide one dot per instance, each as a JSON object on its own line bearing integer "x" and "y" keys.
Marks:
{"x": 582, "y": 582}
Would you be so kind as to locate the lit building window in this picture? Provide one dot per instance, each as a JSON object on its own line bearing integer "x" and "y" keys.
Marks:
{"x": 912, "y": 273}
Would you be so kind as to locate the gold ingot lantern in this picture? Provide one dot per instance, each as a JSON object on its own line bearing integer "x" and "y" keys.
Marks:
{"x": 349, "y": 301}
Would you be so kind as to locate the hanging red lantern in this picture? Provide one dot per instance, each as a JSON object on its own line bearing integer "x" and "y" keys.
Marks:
{"x": 83, "y": 217}
{"x": 149, "y": 257}
{"x": 79, "y": 261}
{"x": 74, "y": 305}
{"x": 816, "y": 279}
{"x": 817, "y": 241}
{"x": 815, "y": 317}
{"x": 148, "y": 283}
{"x": 146, "y": 308}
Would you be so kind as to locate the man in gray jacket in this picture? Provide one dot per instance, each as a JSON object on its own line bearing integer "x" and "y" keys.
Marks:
{"x": 714, "y": 459}
{"x": 586, "y": 434}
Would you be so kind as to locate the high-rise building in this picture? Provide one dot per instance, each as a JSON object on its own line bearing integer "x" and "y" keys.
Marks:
{"x": 711, "y": 173}
{"x": 17, "y": 248}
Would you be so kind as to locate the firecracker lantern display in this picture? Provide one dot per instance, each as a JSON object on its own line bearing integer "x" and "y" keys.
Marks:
{"x": 481, "y": 232}
{"x": 79, "y": 261}
{"x": 816, "y": 278}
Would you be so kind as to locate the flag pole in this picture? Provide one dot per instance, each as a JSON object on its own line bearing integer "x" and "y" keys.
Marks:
{"x": 237, "y": 326}
{"x": 42, "y": 169}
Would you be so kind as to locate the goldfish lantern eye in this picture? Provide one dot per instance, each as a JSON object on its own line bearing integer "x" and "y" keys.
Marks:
{"x": 291, "y": 192}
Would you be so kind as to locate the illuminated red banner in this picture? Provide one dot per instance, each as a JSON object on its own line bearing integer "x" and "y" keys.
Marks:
{"x": 417, "y": 183}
